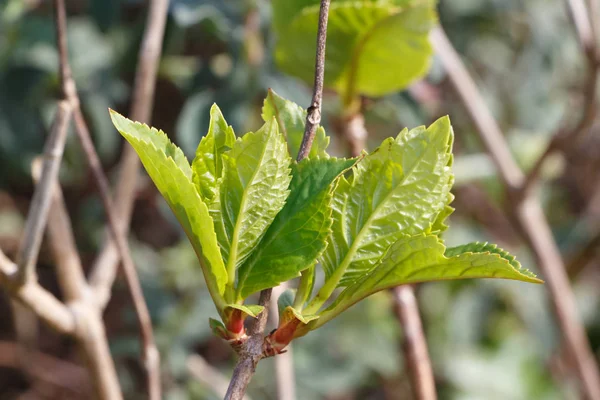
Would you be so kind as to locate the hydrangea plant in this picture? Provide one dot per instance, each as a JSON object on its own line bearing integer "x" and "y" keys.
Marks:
{"x": 256, "y": 218}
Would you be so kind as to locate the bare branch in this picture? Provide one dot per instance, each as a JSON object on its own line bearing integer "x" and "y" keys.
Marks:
{"x": 313, "y": 116}
{"x": 40, "y": 204}
{"x": 36, "y": 298}
{"x": 583, "y": 25}
{"x": 105, "y": 267}
{"x": 149, "y": 352}
{"x": 586, "y": 25}
{"x": 416, "y": 354}
{"x": 69, "y": 270}
{"x": 530, "y": 217}
{"x": 208, "y": 375}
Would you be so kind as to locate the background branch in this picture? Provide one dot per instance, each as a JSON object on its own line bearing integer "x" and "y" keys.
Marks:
{"x": 105, "y": 267}
{"x": 529, "y": 216}
{"x": 40, "y": 204}
{"x": 150, "y": 354}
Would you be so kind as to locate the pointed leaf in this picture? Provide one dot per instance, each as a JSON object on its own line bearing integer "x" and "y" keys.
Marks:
{"x": 297, "y": 236}
{"x": 253, "y": 190}
{"x": 286, "y": 299}
{"x": 424, "y": 258}
{"x": 207, "y": 165}
{"x": 171, "y": 173}
{"x": 398, "y": 190}
{"x": 291, "y": 119}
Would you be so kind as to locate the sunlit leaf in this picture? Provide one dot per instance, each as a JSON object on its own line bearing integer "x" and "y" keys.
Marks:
{"x": 171, "y": 173}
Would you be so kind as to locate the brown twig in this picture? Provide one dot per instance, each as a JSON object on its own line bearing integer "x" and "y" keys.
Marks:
{"x": 414, "y": 344}
{"x": 36, "y": 298}
{"x": 313, "y": 116}
{"x": 149, "y": 352}
{"x": 586, "y": 30}
{"x": 250, "y": 353}
{"x": 252, "y": 350}
{"x": 105, "y": 268}
{"x": 90, "y": 333}
{"x": 529, "y": 216}
{"x": 40, "y": 205}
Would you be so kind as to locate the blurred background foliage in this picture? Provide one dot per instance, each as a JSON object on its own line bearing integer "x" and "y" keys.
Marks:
{"x": 488, "y": 340}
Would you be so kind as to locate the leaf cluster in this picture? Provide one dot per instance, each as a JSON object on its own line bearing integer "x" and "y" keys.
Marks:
{"x": 255, "y": 218}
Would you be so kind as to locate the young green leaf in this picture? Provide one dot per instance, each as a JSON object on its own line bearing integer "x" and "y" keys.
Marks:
{"x": 207, "y": 166}
{"x": 397, "y": 190}
{"x": 424, "y": 258}
{"x": 298, "y": 234}
{"x": 368, "y": 42}
{"x": 253, "y": 189}
{"x": 291, "y": 119}
{"x": 171, "y": 173}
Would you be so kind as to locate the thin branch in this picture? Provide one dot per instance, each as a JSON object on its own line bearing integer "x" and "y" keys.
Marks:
{"x": 40, "y": 204}
{"x": 208, "y": 375}
{"x": 150, "y": 353}
{"x": 250, "y": 353}
{"x": 90, "y": 335}
{"x": 252, "y": 350}
{"x": 313, "y": 116}
{"x": 530, "y": 217}
{"x": 414, "y": 344}
{"x": 586, "y": 24}
{"x": 105, "y": 268}
{"x": 69, "y": 270}
{"x": 36, "y": 298}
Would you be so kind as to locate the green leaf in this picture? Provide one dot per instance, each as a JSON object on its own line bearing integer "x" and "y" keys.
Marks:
{"x": 253, "y": 189}
{"x": 250, "y": 310}
{"x": 424, "y": 258}
{"x": 171, "y": 173}
{"x": 298, "y": 234}
{"x": 398, "y": 190}
{"x": 373, "y": 47}
{"x": 291, "y": 119}
{"x": 208, "y": 165}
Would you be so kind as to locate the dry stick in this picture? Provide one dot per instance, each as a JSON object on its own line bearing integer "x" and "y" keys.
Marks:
{"x": 36, "y": 298}
{"x": 416, "y": 354}
{"x": 530, "y": 217}
{"x": 105, "y": 267}
{"x": 586, "y": 31}
{"x": 150, "y": 354}
{"x": 414, "y": 344}
{"x": 90, "y": 333}
{"x": 40, "y": 204}
{"x": 313, "y": 116}
{"x": 251, "y": 352}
